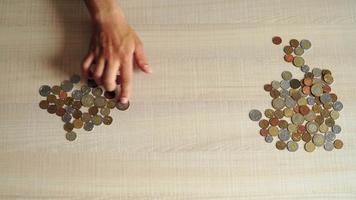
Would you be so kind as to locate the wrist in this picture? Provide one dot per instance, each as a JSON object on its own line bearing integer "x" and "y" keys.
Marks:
{"x": 102, "y": 11}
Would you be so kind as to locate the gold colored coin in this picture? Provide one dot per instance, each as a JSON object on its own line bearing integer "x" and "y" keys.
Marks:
{"x": 292, "y": 128}
{"x": 273, "y": 131}
{"x": 298, "y": 61}
{"x": 107, "y": 120}
{"x": 317, "y": 108}
{"x": 323, "y": 128}
{"x": 328, "y": 105}
{"x": 309, "y": 146}
{"x": 330, "y": 122}
{"x": 302, "y": 101}
{"x": 334, "y": 114}
{"x": 97, "y": 120}
{"x": 269, "y": 113}
{"x": 280, "y": 145}
{"x": 105, "y": 111}
{"x": 338, "y": 144}
{"x": 294, "y": 43}
{"x": 78, "y": 123}
{"x": 279, "y": 114}
{"x": 288, "y": 112}
{"x": 328, "y": 78}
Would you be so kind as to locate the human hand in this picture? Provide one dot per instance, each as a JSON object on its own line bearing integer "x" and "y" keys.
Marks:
{"x": 114, "y": 48}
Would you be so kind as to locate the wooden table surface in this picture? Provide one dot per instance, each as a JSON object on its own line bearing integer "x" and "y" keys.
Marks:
{"x": 187, "y": 134}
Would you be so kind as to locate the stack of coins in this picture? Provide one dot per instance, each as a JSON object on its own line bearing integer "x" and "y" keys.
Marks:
{"x": 302, "y": 109}
{"x": 85, "y": 107}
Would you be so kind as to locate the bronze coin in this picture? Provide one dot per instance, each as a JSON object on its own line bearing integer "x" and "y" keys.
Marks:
{"x": 77, "y": 104}
{"x": 294, "y": 83}
{"x": 317, "y": 100}
{"x": 317, "y": 108}
{"x": 77, "y": 123}
{"x": 68, "y": 127}
{"x": 294, "y": 43}
{"x": 51, "y": 98}
{"x": 77, "y": 114}
{"x": 338, "y": 144}
{"x": 280, "y": 145}
{"x": 274, "y": 93}
{"x": 276, "y": 40}
{"x": 296, "y": 109}
{"x": 304, "y": 110}
{"x": 288, "y": 58}
{"x": 283, "y": 124}
{"x": 330, "y": 122}
{"x": 326, "y": 89}
{"x": 296, "y": 137}
{"x": 308, "y": 81}
{"x": 111, "y": 104}
{"x": 263, "y": 123}
{"x": 301, "y": 129}
{"x": 56, "y": 89}
{"x": 263, "y": 132}
{"x": 274, "y": 121}
{"x": 59, "y": 103}
{"x": 267, "y": 87}
{"x": 68, "y": 101}
{"x": 306, "y": 137}
{"x": 319, "y": 119}
{"x": 333, "y": 97}
{"x": 109, "y": 95}
{"x": 328, "y": 105}
{"x": 44, "y": 104}
{"x": 63, "y": 94}
{"x": 60, "y": 111}
{"x": 107, "y": 120}
{"x": 325, "y": 113}
{"x": 288, "y": 50}
{"x": 52, "y": 109}
{"x": 296, "y": 96}
{"x": 279, "y": 114}
{"x": 93, "y": 110}
{"x": 309, "y": 75}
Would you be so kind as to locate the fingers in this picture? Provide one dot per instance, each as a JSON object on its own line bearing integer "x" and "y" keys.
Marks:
{"x": 87, "y": 61}
{"x": 99, "y": 70}
{"x": 110, "y": 75}
{"x": 141, "y": 59}
{"x": 126, "y": 71}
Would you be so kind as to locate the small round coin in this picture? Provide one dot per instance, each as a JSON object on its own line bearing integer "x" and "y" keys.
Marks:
{"x": 107, "y": 120}
{"x": 85, "y": 89}
{"x": 122, "y": 106}
{"x": 338, "y": 144}
{"x": 66, "y": 118}
{"x": 336, "y": 129}
{"x": 276, "y": 40}
{"x": 52, "y": 109}
{"x": 97, "y": 91}
{"x": 88, "y": 126}
{"x": 298, "y": 61}
{"x": 288, "y": 50}
{"x": 75, "y": 78}
{"x": 309, "y": 147}
{"x": 56, "y": 89}
{"x": 109, "y": 94}
{"x": 305, "y": 44}
{"x": 87, "y": 100}
{"x": 44, "y": 104}
{"x": 106, "y": 111}
{"x": 77, "y": 94}
{"x": 298, "y": 51}
{"x": 66, "y": 85}
{"x": 286, "y": 75}
{"x": 255, "y": 115}
{"x": 97, "y": 120}
{"x": 71, "y": 136}
{"x": 45, "y": 90}
{"x": 318, "y": 139}
{"x": 68, "y": 127}
{"x": 328, "y": 146}
{"x": 292, "y": 146}
{"x": 338, "y": 106}
{"x": 280, "y": 145}
{"x": 294, "y": 43}
{"x": 269, "y": 139}
{"x": 100, "y": 101}
{"x": 77, "y": 123}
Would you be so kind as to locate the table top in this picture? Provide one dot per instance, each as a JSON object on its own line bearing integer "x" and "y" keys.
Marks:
{"x": 187, "y": 134}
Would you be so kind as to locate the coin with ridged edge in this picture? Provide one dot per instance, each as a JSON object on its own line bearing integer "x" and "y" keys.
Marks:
{"x": 255, "y": 115}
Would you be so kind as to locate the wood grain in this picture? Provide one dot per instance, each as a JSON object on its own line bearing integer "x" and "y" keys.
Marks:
{"x": 187, "y": 134}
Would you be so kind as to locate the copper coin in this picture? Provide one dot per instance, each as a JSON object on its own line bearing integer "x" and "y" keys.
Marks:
{"x": 326, "y": 89}
{"x": 304, "y": 110}
{"x": 107, "y": 120}
{"x": 56, "y": 89}
{"x": 68, "y": 101}
{"x": 319, "y": 119}
{"x": 288, "y": 50}
{"x": 44, "y": 104}
{"x": 274, "y": 121}
{"x": 288, "y": 58}
{"x": 330, "y": 122}
{"x": 109, "y": 95}
{"x": 294, "y": 83}
{"x": 68, "y": 127}
{"x": 301, "y": 129}
{"x": 77, "y": 114}
{"x": 333, "y": 97}
{"x": 263, "y": 132}
{"x": 317, "y": 108}
{"x": 306, "y": 90}
{"x": 317, "y": 100}
{"x": 274, "y": 93}
{"x": 283, "y": 124}
{"x": 77, "y": 123}
{"x": 77, "y": 104}
{"x": 296, "y": 136}
{"x": 280, "y": 145}
{"x": 267, "y": 87}
{"x": 60, "y": 111}
{"x": 338, "y": 144}
{"x": 279, "y": 114}
{"x": 52, "y": 109}
{"x": 93, "y": 110}
{"x": 51, "y": 98}
{"x": 306, "y": 137}
{"x": 308, "y": 81}
{"x": 263, "y": 123}
{"x": 296, "y": 109}
{"x": 276, "y": 40}
{"x": 294, "y": 43}
{"x": 63, "y": 94}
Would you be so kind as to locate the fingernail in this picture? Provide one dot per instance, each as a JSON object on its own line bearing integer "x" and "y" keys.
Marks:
{"x": 124, "y": 100}
{"x": 148, "y": 69}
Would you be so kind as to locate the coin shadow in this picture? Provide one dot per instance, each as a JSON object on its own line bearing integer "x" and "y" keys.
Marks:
{"x": 74, "y": 35}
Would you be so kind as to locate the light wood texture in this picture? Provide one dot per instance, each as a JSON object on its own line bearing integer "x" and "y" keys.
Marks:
{"x": 187, "y": 134}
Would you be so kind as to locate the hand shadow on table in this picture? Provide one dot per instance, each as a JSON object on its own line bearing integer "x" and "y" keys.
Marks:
{"x": 75, "y": 29}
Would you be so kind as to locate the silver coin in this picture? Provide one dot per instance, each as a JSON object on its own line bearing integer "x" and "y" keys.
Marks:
{"x": 275, "y": 85}
{"x": 88, "y": 126}
{"x": 85, "y": 89}
{"x": 336, "y": 129}
{"x": 77, "y": 94}
{"x": 292, "y": 146}
{"x": 75, "y": 78}
{"x": 298, "y": 51}
{"x": 338, "y": 106}
{"x": 287, "y": 75}
{"x": 305, "y": 44}
{"x": 284, "y": 135}
{"x": 66, "y": 118}
{"x": 66, "y": 85}
{"x": 305, "y": 68}
{"x": 297, "y": 119}
{"x": 284, "y": 84}
{"x": 284, "y": 93}
{"x": 328, "y": 146}
{"x": 318, "y": 139}
{"x": 290, "y": 102}
{"x": 330, "y": 136}
{"x": 311, "y": 101}
{"x": 317, "y": 72}
{"x": 45, "y": 90}
{"x": 69, "y": 109}
{"x": 325, "y": 98}
{"x": 71, "y": 136}
{"x": 255, "y": 115}
{"x": 269, "y": 139}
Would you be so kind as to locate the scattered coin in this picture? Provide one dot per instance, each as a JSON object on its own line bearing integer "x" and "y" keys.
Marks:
{"x": 88, "y": 126}
{"x": 75, "y": 78}
{"x": 109, "y": 95}
{"x": 292, "y": 146}
{"x": 87, "y": 100}
{"x": 280, "y": 145}
{"x": 100, "y": 101}
{"x": 107, "y": 120}
{"x": 122, "y": 106}
{"x": 276, "y": 40}
{"x": 318, "y": 140}
{"x": 44, "y": 104}
{"x": 305, "y": 44}
{"x": 338, "y": 144}
{"x": 309, "y": 147}
{"x": 269, "y": 139}
{"x": 67, "y": 85}
{"x": 71, "y": 136}
{"x": 45, "y": 90}
{"x": 298, "y": 61}
{"x": 97, "y": 92}
{"x": 294, "y": 43}
{"x": 328, "y": 146}
{"x": 77, "y": 94}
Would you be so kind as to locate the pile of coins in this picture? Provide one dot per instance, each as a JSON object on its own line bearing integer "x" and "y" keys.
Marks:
{"x": 84, "y": 108}
{"x": 302, "y": 109}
